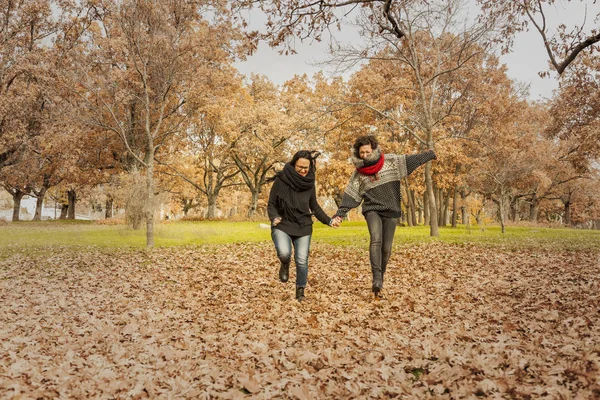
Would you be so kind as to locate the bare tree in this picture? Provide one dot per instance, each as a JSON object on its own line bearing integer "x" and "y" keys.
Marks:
{"x": 562, "y": 47}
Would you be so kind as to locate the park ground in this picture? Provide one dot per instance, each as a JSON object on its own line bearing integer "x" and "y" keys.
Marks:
{"x": 87, "y": 312}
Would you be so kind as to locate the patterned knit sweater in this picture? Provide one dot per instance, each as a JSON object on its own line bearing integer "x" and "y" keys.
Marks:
{"x": 382, "y": 193}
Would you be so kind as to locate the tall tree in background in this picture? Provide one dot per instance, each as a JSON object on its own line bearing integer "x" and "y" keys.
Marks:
{"x": 562, "y": 43}
{"x": 308, "y": 19}
{"x": 426, "y": 37}
{"x": 29, "y": 104}
{"x": 262, "y": 132}
{"x": 576, "y": 111}
{"x": 208, "y": 165}
{"x": 134, "y": 73}
{"x": 24, "y": 28}
{"x": 509, "y": 159}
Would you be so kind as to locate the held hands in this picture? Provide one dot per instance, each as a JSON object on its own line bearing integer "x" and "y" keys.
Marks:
{"x": 336, "y": 222}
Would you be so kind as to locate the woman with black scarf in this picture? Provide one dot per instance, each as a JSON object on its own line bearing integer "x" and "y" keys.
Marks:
{"x": 292, "y": 203}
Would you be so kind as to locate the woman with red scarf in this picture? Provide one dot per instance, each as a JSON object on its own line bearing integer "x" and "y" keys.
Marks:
{"x": 376, "y": 184}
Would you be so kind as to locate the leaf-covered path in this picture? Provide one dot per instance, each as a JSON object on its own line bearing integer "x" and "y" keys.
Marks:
{"x": 214, "y": 322}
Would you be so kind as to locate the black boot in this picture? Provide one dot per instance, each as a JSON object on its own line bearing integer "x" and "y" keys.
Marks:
{"x": 299, "y": 293}
{"x": 284, "y": 272}
{"x": 377, "y": 283}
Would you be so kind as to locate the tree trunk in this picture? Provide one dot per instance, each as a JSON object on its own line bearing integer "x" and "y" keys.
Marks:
{"x": 568, "y": 213}
{"x": 439, "y": 204}
{"x": 150, "y": 199}
{"x": 465, "y": 217}
{"x": 412, "y": 216}
{"x": 454, "y": 207}
{"x": 39, "y": 203}
{"x": 64, "y": 211}
{"x": 434, "y": 229}
{"x": 426, "y": 207}
{"x": 501, "y": 212}
{"x": 212, "y": 206}
{"x": 72, "y": 195}
{"x": 514, "y": 208}
{"x": 533, "y": 209}
{"x": 187, "y": 205}
{"x": 413, "y": 203}
{"x": 478, "y": 218}
{"x": 419, "y": 208}
{"x": 445, "y": 208}
{"x": 17, "y": 196}
{"x": 108, "y": 213}
{"x": 253, "y": 204}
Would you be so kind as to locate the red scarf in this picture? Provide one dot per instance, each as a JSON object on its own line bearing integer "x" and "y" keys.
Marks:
{"x": 372, "y": 169}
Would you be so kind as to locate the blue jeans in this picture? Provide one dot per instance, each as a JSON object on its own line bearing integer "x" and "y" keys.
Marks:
{"x": 381, "y": 230}
{"x": 283, "y": 244}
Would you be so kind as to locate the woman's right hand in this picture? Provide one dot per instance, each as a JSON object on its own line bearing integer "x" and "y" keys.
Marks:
{"x": 276, "y": 221}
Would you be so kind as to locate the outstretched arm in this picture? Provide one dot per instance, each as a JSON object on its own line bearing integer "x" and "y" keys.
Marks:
{"x": 413, "y": 161}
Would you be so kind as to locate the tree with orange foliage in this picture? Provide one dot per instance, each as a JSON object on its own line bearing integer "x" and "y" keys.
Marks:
{"x": 420, "y": 35}
{"x": 201, "y": 158}
{"x": 24, "y": 26}
{"x": 510, "y": 153}
{"x": 134, "y": 73}
{"x": 575, "y": 110}
{"x": 261, "y": 135}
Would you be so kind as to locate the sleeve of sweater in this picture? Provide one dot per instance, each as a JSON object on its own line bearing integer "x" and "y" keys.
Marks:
{"x": 271, "y": 209}
{"x": 352, "y": 197}
{"x": 413, "y": 161}
{"x": 316, "y": 209}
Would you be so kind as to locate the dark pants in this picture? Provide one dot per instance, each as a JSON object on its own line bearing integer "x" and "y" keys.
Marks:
{"x": 381, "y": 230}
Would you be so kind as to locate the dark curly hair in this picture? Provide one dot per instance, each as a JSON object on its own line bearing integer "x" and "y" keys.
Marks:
{"x": 363, "y": 141}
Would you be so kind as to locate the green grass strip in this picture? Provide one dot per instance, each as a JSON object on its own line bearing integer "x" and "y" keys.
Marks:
{"x": 84, "y": 233}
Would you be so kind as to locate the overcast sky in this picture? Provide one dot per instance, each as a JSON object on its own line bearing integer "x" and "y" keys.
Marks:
{"x": 527, "y": 59}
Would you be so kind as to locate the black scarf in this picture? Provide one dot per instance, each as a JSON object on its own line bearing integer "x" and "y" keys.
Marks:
{"x": 293, "y": 183}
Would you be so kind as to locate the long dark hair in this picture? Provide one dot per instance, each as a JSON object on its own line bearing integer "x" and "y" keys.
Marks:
{"x": 363, "y": 141}
{"x": 309, "y": 155}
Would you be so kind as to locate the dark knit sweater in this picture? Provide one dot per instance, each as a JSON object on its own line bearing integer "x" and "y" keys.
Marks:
{"x": 307, "y": 201}
{"x": 382, "y": 195}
